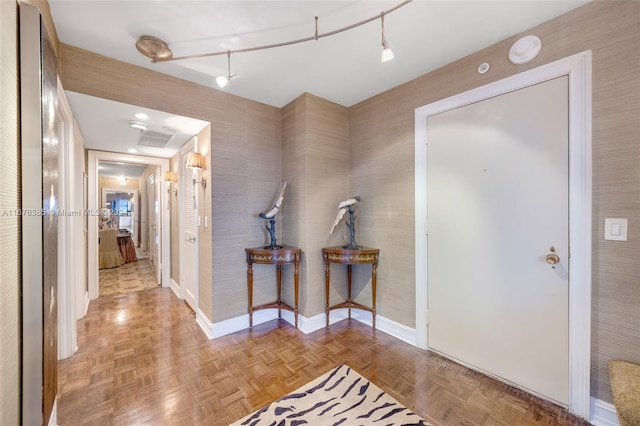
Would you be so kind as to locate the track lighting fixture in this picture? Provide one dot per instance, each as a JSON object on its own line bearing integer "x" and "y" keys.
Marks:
{"x": 222, "y": 80}
{"x": 159, "y": 51}
{"x": 387, "y": 53}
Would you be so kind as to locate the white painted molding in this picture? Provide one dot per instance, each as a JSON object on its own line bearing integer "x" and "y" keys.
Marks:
{"x": 176, "y": 288}
{"x": 87, "y": 299}
{"x": 222, "y": 328}
{"x": 305, "y": 325}
{"x": 603, "y": 413}
{"x": 53, "y": 419}
{"x": 315, "y": 323}
{"x": 578, "y": 68}
{"x": 204, "y": 323}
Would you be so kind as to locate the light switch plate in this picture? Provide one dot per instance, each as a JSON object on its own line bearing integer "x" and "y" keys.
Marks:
{"x": 615, "y": 229}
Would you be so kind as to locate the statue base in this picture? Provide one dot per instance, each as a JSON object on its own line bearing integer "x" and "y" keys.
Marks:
{"x": 273, "y": 247}
{"x": 352, "y": 246}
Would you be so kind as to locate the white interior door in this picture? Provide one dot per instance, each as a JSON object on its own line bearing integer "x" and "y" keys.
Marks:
{"x": 497, "y": 194}
{"x": 189, "y": 231}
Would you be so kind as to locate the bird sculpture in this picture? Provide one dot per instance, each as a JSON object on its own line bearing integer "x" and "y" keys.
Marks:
{"x": 270, "y": 216}
{"x": 276, "y": 207}
{"x": 343, "y": 207}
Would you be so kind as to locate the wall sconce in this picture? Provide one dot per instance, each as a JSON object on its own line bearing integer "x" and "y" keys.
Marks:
{"x": 195, "y": 161}
{"x": 170, "y": 177}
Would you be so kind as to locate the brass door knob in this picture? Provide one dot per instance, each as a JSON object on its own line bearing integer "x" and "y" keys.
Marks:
{"x": 552, "y": 258}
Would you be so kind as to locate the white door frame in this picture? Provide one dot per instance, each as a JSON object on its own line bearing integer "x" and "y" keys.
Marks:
{"x": 94, "y": 158}
{"x": 154, "y": 203}
{"x": 578, "y": 69}
{"x": 70, "y": 255}
{"x": 190, "y": 146}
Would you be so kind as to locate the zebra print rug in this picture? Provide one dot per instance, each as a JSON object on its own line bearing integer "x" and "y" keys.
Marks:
{"x": 339, "y": 397}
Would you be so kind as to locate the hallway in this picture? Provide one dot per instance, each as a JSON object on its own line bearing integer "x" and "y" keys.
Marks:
{"x": 142, "y": 359}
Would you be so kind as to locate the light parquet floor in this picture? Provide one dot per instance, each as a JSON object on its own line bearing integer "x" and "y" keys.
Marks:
{"x": 143, "y": 360}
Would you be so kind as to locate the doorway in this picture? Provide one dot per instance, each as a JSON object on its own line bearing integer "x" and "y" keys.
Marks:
{"x": 577, "y": 68}
{"x": 163, "y": 257}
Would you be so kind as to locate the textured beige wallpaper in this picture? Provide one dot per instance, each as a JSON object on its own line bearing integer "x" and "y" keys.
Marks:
{"x": 205, "y": 265}
{"x": 10, "y": 195}
{"x": 381, "y": 138}
{"x": 315, "y": 163}
{"x": 245, "y": 180}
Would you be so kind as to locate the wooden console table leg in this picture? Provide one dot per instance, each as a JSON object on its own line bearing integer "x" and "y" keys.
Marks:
{"x": 295, "y": 288}
{"x": 327, "y": 279}
{"x": 250, "y": 291}
{"x": 279, "y": 284}
{"x": 349, "y": 272}
{"x": 374, "y": 278}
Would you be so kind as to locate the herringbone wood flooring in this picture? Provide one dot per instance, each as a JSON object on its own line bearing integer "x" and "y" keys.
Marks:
{"x": 142, "y": 359}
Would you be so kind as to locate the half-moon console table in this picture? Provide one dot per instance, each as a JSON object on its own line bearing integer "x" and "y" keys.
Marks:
{"x": 276, "y": 257}
{"x": 350, "y": 257}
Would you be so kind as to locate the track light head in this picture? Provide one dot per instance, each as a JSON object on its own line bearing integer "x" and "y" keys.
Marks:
{"x": 387, "y": 53}
{"x": 222, "y": 80}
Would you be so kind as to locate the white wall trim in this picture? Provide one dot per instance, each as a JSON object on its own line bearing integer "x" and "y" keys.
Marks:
{"x": 53, "y": 419}
{"x": 205, "y": 324}
{"x": 87, "y": 299}
{"x": 603, "y": 413}
{"x": 67, "y": 229}
{"x": 314, "y": 323}
{"x": 578, "y": 69}
{"x": 305, "y": 325}
{"x": 176, "y": 288}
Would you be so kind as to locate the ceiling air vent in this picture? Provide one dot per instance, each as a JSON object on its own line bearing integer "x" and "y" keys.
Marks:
{"x": 155, "y": 139}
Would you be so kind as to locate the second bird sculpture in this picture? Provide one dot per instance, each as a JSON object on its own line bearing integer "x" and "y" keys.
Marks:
{"x": 270, "y": 216}
{"x": 348, "y": 206}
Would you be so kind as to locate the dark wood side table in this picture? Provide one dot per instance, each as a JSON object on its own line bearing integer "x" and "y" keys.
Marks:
{"x": 276, "y": 257}
{"x": 350, "y": 257}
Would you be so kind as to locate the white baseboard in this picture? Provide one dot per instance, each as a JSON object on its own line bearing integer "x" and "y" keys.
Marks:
{"x": 316, "y": 322}
{"x": 53, "y": 419}
{"x": 204, "y": 324}
{"x": 305, "y": 325}
{"x": 231, "y": 325}
{"x": 603, "y": 413}
{"x": 86, "y": 303}
{"x": 176, "y": 288}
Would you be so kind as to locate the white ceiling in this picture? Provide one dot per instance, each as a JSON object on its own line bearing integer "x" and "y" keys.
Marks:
{"x": 344, "y": 68}
{"x": 105, "y": 126}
